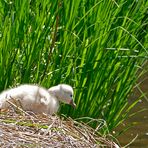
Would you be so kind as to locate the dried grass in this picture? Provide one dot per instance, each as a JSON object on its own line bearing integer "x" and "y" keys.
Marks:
{"x": 20, "y": 129}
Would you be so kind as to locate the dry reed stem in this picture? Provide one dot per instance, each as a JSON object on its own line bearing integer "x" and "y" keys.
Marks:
{"x": 19, "y": 130}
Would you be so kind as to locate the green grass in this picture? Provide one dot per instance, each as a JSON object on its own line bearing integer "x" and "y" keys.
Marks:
{"x": 96, "y": 46}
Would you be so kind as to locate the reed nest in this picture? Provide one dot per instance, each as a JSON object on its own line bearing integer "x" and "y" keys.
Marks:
{"x": 21, "y": 129}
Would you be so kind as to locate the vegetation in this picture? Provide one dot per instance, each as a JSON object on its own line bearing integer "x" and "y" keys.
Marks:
{"x": 97, "y": 46}
{"x": 29, "y": 131}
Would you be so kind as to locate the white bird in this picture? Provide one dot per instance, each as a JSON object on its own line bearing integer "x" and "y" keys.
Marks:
{"x": 38, "y": 99}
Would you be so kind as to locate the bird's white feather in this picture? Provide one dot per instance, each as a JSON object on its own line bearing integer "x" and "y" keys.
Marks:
{"x": 32, "y": 98}
{"x": 38, "y": 99}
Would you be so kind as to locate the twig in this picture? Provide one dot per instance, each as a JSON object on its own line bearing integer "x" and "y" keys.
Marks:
{"x": 131, "y": 141}
{"x": 52, "y": 44}
{"x": 20, "y": 109}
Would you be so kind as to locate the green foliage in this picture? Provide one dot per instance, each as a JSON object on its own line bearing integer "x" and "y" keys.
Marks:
{"x": 96, "y": 46}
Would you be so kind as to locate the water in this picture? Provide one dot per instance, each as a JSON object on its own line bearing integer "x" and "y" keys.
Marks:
{"x": 140, "y": 129}
{"x": 141, "y": 120}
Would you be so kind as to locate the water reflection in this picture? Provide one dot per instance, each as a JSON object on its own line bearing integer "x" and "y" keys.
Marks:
{"x": 141, "y": 123}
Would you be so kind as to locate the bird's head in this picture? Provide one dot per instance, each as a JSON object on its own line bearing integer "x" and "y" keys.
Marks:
{"x": 63, "y": 93}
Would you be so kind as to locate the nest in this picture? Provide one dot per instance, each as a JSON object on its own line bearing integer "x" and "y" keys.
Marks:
{"x": 25, "y": 130}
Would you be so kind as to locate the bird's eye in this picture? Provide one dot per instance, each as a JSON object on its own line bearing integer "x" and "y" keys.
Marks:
{"x": 71, "y": 96}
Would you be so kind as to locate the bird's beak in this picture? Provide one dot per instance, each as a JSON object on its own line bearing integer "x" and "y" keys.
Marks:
{"x": 72, "y": 103}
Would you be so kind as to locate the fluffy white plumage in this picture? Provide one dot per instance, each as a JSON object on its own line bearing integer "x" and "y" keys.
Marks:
{"x": 38, "y": 99}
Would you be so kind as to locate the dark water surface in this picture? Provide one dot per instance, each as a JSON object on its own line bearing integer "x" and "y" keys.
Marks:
{"x": 141, "y": 120}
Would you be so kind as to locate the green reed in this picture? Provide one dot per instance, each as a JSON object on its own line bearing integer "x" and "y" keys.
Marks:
{"x": 96, "y": 46}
